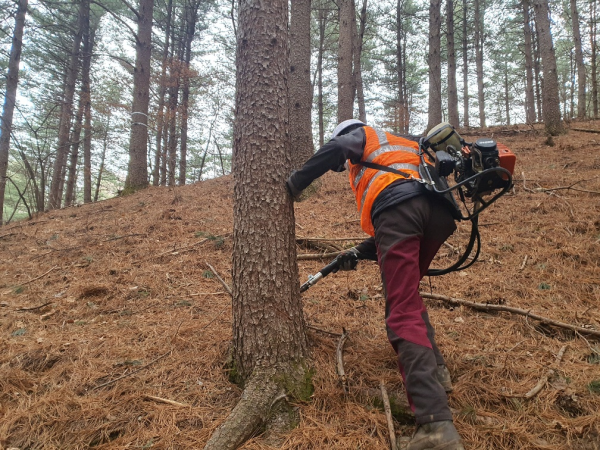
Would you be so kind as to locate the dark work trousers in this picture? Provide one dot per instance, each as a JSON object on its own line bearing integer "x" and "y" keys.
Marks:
{"x": 408, "y": 236}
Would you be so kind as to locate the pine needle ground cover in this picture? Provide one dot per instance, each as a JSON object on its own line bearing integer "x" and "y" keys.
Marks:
{"x": 114, "y": 328}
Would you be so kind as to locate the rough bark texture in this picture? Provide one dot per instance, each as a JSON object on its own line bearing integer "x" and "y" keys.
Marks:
{"x": 594, "y": 59}
{"x": 465, "y": 58}
{"x": 579, "y": 60}
{"x": 87, "y": 115}
{"x": 12, "y": 81}
{"x": 322, "y": 25}
{"x": 300, "y": 89}
{"x": 344, "y": 68}
{"x": 137, "y": 173}
{"x": 452, "y": 89}
{"x": 63, "y": 145}
{"x": 551, "y": 109}
{"x": 478, "y": 18}
{"x": 403, "y": 112}
{"x": 529, "y": 97}
{"x": 269, "y": 341}
{"x": 435, "y": 67}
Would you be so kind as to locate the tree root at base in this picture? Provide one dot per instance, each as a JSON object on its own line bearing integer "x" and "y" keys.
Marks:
{"x": 251, "y": 414}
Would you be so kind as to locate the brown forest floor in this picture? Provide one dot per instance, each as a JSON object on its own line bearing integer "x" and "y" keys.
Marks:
{"x": 127, "y": 292}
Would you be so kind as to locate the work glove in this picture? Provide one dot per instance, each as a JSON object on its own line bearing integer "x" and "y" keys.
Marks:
{"x": 348, "y": 260}
{"x": 295, "y": 193}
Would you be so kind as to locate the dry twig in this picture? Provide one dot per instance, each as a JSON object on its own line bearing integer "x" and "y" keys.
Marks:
{"x": 388, "y": 416}
{"x": 522, "y": 312}
{"x": 225, "y": 285}
{"x": 34, "y": 308}
{"x": 166, "y": 400}
{"x": 315, "y": 256}
{"x": 340, "y": 359}
{"x": 32, "y": 280}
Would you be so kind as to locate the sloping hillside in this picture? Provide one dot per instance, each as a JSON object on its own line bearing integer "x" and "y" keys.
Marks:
{"x": 114, "y": 329}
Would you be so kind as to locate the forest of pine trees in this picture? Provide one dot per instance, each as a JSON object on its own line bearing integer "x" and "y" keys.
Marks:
{"x": 108, "y": 96}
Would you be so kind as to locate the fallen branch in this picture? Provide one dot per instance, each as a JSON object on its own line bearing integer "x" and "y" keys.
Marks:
{"x": 524, "y": 262}
{"x": 225, "y": 285}
{"x": 571, "y": 187}
{"x": 315, "y": 256}
{"x": 6, "y": 235}
{"x": 32, "y": 280}
{"x": 540, "y": 384}
{"x": 34, "y": 308}
{"x": 166, "y": 400}
{"x": 388, "y": 416}
{"x": 522, "y": 312}
{"x": 586, "y": 131}
{"x": 323, "y": 331}
{"x": 329, "y": 239}
{"x": 340, "y": 360}
{"x": 116, "y": 238}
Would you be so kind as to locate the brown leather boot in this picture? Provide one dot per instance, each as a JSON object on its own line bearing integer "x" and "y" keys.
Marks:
{"x": 443, "y": 376}
{"x": 436, "y": 436}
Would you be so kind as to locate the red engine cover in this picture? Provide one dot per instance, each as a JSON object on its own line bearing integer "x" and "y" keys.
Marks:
{"x": 507, "y": 159}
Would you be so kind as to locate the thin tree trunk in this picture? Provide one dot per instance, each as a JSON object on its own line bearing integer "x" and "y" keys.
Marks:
{"x": 345, "y": 99}
{"x": 594, "y": 47}
{"x": 579, "y": 61}
{"x": 479, "y": 61}
{"x": 529, "y": 95}
{"x": 74, "y": 155}
{"x": 300, "y": 90}
{"x": 192, "y": 17}
{"x": 12, "y": 82}
{"x": 452, "y": 88}
{"x": 402, "y": 107}
{"x": 87, "y": 114}
{"x": 62, "y": 150}
{"x": 137, "y": 173}
{"x": 358, "y": 47}
{"x": 322, "y": 25}
{"x": 102, "y": 158}
{"x": 537, "y": 68}
{"x": 506, "y": 94}
{"x": 162, "y": 89}
{"x": 465, "y": 58}
{"x": 551, "y": 109}
{"x": 435, "y": 66}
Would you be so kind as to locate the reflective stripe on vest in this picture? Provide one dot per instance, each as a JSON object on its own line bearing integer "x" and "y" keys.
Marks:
{"x": 387, "y": 150}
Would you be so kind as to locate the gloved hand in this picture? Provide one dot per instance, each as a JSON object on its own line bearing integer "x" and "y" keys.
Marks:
{"x": 295, "y": 193}
{"x": 348, "y": 260}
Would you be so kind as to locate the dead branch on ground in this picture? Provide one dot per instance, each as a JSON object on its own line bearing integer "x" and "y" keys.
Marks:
{"x": 317, "y": 256}
{"x": 388, "y": 416}
{"x": 522, "y": 312}
{"x": 340, "y": 360}
{"x": 225, "y": 285}
{"x": 166, "y": 400}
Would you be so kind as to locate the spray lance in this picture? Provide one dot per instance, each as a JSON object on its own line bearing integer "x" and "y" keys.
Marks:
{"x": 481, "y": 172}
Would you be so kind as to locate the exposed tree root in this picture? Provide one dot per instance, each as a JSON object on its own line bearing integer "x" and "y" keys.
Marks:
{"x": 263, "y": 405}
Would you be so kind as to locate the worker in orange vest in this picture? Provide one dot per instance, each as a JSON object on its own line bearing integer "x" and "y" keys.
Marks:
{"x": 407, "y": 226}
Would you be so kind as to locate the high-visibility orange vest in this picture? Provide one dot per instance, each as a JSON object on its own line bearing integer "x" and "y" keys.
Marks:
{"x": 387, "y": 150}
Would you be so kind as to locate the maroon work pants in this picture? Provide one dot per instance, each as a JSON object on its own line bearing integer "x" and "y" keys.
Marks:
{"x": 408, "y": 236}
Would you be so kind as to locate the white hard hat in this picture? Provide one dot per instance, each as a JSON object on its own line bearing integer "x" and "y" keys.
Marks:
{"x": 345, "y": 124}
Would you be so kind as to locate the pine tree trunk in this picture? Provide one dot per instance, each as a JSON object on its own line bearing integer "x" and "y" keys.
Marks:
{"x": 162, "y": 90}
{"x": 465, "y": 58}
{"x": 87, "y": 114}
{"x": 452, "y": 88}
{"x": 551, "y": 102}
{"x": 358, "y": 47}
{"x": 345, "y": 100}
{"x": 594, "y": 61}
{"x": 12, "y": 82}
{"x": 581, "y": 103}
{"x": 506, "y": 95}
{"x": 322, "y": 26}
{"x": 102, "y": 158}
{"x": 269, "y": 341}
{"x": 74, "y": 155}
{"x": 300, "y": 90}
{"x": 137, "y": 172}
{"x": 63, "y": 145}
{"x": 479, "y": 61}
{"x": 537, "y": 70}
{"x": 400, "y": 37}
{"x": 529, "y": 95}
{"x": 435, "y": 65}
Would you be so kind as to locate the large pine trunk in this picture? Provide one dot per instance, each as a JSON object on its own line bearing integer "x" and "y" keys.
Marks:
{"x": 435, "y": 66}
{"x": 269, "y": 341}
{"x": 358, "y": 47}
{"x": 12, "y": 81}
{"x": 137, "y": 173}
{"x": 300, "y": 89}
{"x": 551, "y": 102}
